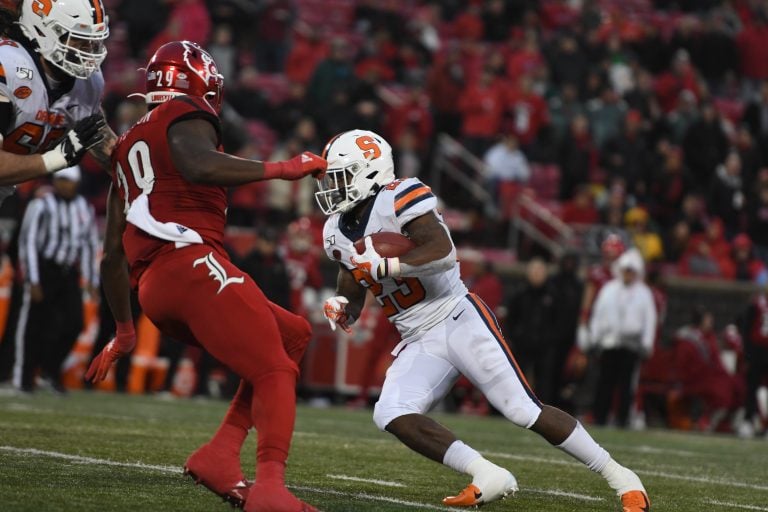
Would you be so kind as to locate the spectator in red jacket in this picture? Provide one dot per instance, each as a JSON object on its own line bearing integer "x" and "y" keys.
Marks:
{"x": 412, "y": 114}
{"x": 700, "y": 373}
{"x": 482, "y": 107}
{"x": 528, "y": 111}
{"x": 699, "y": 261}
{"x": 445, "y": 83}
{"x": 189, "y": 20}
{"x": 752, "y": 43}
{"x": 469, "y": 25}
{"x": 525, "y": 59}
{"x": 307, "y": 52}
{"x": 681, "y": 77}
{"x": 581, "y": 209}
{"x": 744, "y": 265}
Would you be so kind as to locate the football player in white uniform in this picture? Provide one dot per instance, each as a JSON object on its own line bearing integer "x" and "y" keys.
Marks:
{"x": 50, "y": 89}
{"x": 445, "y": 330}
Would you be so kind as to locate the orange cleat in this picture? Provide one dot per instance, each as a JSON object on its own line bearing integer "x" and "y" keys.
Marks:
{"x": 635, "y": 501}
{"x": 219, "y": 474}
{"x": 489, "y": 486}
{"x": 469, "y": 497}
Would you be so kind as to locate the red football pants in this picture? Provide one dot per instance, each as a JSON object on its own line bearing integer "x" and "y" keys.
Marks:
{"x": 197, "y": 295}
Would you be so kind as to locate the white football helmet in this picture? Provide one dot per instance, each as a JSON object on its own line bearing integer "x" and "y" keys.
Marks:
{"x": 70, "y": 34}
{"x": 359, "y": 165}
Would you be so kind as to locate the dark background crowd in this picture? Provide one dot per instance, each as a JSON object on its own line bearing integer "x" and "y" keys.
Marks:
{"x": 646, "y": 117}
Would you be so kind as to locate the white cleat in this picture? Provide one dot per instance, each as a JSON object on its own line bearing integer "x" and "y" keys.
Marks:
{"x": 485, "y": 488}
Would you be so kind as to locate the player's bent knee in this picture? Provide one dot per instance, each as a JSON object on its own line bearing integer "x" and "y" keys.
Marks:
{"x": 383, "y": 415}
{"x": 258, "y": 373}
{"x": 523, "y": 412}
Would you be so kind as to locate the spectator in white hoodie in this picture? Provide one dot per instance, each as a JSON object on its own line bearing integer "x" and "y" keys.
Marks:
{"x": 622, "y": 328}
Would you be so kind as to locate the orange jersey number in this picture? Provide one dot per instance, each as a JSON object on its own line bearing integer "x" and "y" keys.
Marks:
{"x": 409, "y": 292}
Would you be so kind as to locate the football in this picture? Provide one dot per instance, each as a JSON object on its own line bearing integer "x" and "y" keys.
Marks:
{"x": 388, "y": 245}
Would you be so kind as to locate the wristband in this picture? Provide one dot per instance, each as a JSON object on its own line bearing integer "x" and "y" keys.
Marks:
{"x": 124, "y": 328}
{"x": 389, "y": 267}
{"x": 54, "y": 161}
{"x": 273, "y": 170}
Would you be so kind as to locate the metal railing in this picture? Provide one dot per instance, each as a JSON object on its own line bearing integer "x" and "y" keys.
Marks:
{"x": 527, "y": 216}
{"x": 454, "y": 160}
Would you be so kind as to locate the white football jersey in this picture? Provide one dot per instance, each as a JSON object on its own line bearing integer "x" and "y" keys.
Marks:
{"x": 413, "y": 304}
{"x": 38, "y": 118}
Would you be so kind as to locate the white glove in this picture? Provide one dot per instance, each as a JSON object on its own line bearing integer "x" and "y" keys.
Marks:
{"x": 583, "y": 338}
{"x": 71, "y": 148}
{"x": 335, "y": 310}
{"x": 373, "y": 264}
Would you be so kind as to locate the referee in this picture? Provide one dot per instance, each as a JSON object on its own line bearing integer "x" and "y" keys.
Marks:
{"x": 57, "y": 252}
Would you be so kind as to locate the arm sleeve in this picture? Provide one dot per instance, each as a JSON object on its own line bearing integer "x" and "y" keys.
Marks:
{"x": 28, "y": 251}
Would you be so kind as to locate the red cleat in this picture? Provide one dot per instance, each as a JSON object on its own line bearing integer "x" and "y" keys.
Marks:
{"x": 219, "y": 473}
{"x": 274, "y": 497}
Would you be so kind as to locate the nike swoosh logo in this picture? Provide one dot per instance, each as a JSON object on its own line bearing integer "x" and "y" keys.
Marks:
{"x": 457, "y": 316}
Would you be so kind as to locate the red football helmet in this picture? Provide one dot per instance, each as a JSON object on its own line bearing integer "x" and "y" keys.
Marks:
{"x": 183, "y": 68}
{"x": 612, "y": 247}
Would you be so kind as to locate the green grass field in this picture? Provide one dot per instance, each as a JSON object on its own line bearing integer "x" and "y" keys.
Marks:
{"x": 101, "y": 452}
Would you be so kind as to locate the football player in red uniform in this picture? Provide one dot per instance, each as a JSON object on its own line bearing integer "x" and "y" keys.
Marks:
{"x": 166, "y": 219}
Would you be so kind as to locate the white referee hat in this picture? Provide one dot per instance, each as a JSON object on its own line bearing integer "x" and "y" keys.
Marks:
{"x": 70, "y": 173}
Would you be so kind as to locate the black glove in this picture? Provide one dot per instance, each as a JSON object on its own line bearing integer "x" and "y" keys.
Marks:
{"x": 70, "y": 148}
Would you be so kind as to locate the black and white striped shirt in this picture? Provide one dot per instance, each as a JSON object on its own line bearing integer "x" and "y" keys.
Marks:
{"x": 60, "y": 231}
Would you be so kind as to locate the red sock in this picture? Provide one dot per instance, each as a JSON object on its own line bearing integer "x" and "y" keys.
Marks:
{"x": 234, "y": 429}
{"x": 274, "y": 412}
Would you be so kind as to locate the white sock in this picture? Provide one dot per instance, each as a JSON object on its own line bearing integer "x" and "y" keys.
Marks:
{"x": 583, "y": 448}
{"x": 459, "y": 456}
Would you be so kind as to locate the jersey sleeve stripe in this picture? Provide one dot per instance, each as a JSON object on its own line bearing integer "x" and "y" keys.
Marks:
{"x": 415, "y": 197}
{"x": 410, "y": 189}
{"x": 2, "y": 75}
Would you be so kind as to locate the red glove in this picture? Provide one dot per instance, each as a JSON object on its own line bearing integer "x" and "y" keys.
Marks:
{"x": 296, "y": 168}
{"x": 121, "y": 344}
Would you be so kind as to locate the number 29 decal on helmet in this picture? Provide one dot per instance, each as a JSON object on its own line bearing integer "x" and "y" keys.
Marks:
{"x": 359, "y": 165}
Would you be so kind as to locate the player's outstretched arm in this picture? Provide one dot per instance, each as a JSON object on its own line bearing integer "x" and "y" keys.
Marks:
{"x": 117, "y": 288}
{"x": 194, "y": 152}
{"x": 15, "y": 169}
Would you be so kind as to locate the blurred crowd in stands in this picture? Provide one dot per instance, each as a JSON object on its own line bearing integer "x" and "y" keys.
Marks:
{"x": 649, "y": 117}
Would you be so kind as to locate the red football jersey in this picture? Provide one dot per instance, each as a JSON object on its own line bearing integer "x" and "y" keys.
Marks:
{"x": 164, "y": 210}
{"x": 599, "y": 275}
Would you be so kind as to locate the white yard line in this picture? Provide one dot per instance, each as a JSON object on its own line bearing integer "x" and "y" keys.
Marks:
{"x": 702, "y": 480}
{"x": 89, "y": 460}
{"x": 734, "y": 505}
{"x": 385, "y": 483}
{"x": 372, "y": 497}
{"x": 563, "y": 494}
